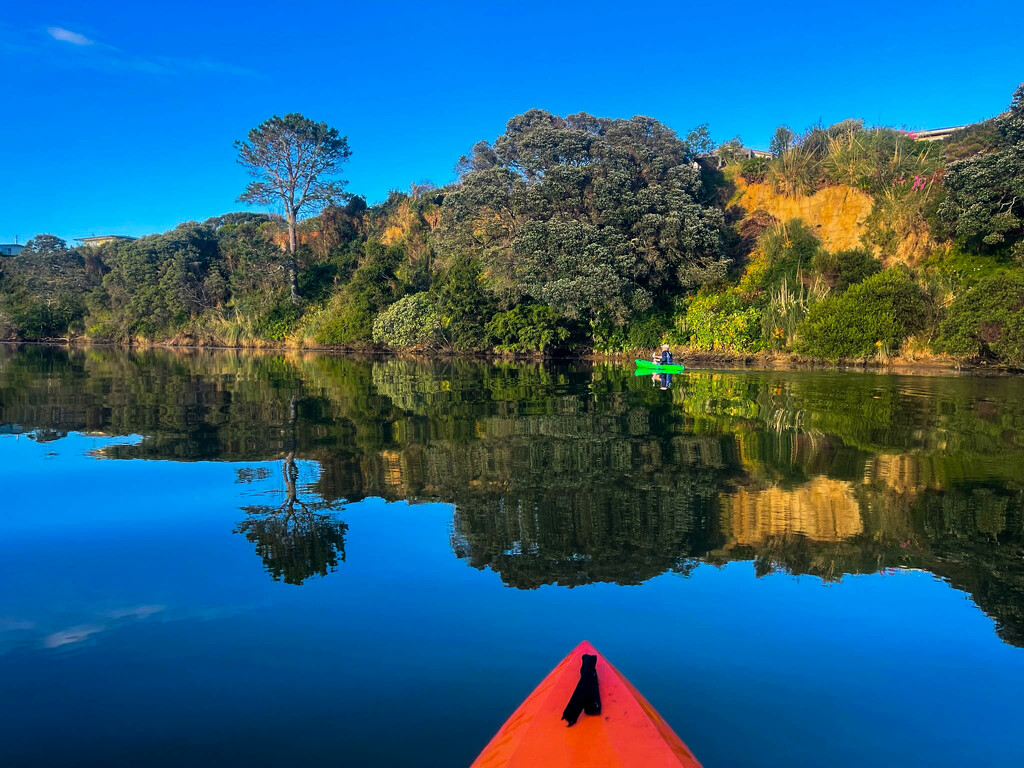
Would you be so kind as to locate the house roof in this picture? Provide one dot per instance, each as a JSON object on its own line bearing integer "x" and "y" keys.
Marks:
{"x": 90, "y": 238}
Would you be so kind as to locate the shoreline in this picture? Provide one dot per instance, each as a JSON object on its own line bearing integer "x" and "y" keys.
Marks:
{"x": 766, "y": 361}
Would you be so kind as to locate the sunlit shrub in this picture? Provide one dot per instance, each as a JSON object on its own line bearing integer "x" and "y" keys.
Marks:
{"x": 410, "y": 322}
{"x": 346, "y": 319}
{"x": 871, "y": 318}
{"x": 720, "y": 322}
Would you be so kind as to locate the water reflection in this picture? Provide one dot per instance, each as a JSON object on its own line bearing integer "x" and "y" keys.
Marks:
{"x": 295, "y": 539}
{"x": 576, "y": 474}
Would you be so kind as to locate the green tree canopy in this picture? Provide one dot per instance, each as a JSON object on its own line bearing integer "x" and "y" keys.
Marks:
{"x": 986, "y": 190}
{"x": 588, "y": 215}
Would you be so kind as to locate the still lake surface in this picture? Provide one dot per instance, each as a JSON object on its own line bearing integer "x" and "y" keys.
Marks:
{"x": 219, "y": 558}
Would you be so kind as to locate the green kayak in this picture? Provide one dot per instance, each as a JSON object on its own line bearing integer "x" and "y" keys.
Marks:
{"x": 647, "y": 367}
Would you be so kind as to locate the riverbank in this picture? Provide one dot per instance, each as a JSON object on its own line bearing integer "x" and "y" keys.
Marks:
{"x": 899, "y": 364}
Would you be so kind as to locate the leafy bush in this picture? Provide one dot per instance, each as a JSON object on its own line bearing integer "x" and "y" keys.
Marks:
{"x": 26, "y": 317}
{"x": 956, "y": 270}
{"x": 871, "y": 317}
{"x": 721, "y": 321}
{"x": 527, "y": 328}
{"x": 644, "y": 331}
{"x": 755, "y": 169}
{"x": 845, "y": 268}
{"x": 346, "y": 319}
{"x": 410, "y": 322}
{"x": 280, "y": 321}
{"x": 463, "y": 305}
{"x": 987, "y": 321}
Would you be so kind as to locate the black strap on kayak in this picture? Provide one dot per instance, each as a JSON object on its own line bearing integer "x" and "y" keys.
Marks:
{"x": 587, "y": 696}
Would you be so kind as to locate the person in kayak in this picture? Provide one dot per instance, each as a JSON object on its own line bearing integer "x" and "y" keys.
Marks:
{"x": 664, "y": 358}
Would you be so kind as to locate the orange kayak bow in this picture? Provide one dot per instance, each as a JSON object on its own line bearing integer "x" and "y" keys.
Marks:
{"x": 623, "y": 731}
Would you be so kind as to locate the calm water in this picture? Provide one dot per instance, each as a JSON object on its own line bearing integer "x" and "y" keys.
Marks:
{"x": 220, "y": 558}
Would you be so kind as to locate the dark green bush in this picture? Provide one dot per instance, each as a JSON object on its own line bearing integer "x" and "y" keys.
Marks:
{"x": 279, "y": 321}
{"x": 30, "y": 318}
{"x": 463, "y": 304}
{"x": 874, "y": 316}
{"x": 987, "y": 321}
{"x": 755, "y": 169}
{"x": 845, "y": 268}
{"x": 527, "y": 328}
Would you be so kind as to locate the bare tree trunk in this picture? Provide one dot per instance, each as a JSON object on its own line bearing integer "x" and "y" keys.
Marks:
{"x": 293, "y": 264}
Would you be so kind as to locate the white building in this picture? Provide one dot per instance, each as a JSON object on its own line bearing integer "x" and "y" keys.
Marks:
{"x": 10, "y": 249}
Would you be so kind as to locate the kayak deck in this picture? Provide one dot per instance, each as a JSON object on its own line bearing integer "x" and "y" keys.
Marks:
{"x": 627, "y": 732}
{"x": 646, "y": 366}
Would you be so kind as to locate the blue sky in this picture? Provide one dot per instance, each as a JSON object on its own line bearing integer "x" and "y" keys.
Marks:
{"x": 119, "y": 117}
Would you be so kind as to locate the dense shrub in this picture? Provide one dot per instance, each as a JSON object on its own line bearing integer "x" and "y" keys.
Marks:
{"x": 527, "y": 328}
{"x": 987, "y": 321}
{"x": 410, "y": 322}
{"x": 955, "y": 270}
{"x": 463, "y": 304}
{"x": 720, "y": 321}
{"x": 985, "y": 201}
{"x": 28, "y": 317}
{"x": 644, "y": 331}
{"x": 755, "y": 169}
{"x": 279, "y": 322}
{"x": 845, "y": 268}
{"x": 871, "y": 317}
{"x": 346, "y": 319}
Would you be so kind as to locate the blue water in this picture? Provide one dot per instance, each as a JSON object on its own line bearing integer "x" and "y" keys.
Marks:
{"x": 139, "y": 627}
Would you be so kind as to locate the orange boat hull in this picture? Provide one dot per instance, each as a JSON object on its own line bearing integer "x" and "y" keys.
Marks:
{"x": 628, "y": 732}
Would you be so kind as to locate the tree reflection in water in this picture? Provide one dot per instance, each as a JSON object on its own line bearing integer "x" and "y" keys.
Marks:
{"x": 296, "y": 540}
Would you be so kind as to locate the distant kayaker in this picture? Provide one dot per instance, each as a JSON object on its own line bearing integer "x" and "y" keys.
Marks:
{"x": 664, "y": 357}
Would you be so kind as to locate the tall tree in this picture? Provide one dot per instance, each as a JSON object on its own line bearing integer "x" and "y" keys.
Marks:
{"x": 782, "y": 140}
{"x": 295, "y": 162}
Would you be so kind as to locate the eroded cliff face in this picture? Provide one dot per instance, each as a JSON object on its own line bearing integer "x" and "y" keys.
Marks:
{"x": 837, "y": 214}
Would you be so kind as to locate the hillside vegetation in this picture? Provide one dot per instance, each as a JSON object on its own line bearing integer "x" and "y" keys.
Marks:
{"x": 583, "y": 234}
